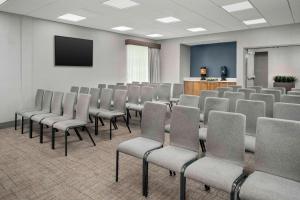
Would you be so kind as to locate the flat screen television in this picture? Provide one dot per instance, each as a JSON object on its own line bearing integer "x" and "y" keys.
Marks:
{"x": 73, "y": 51}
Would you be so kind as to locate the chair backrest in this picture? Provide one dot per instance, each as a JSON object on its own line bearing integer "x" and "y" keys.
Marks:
{"x": 145, "y": 83}
{"x": 235, "y": 87}
{"x": 268, "y": 99}
{"x": 153, "y": 121}
{"x": 278, "y": 148}
{"x": 84, "y": 90}
{"x": 287, "y": 111}
{"x": 252, "y": 110}
{"x": 224, "y": 89}
{"x": 47, "y": 98}
{"x": 257, "y": 88}
{"x": 74, "y": 89}
{"x": 155, "y": 90}
{"x": 101, "y": 86}
{"x": 164, "y": 92}
{"x": 233, "y": 97}
{"x": 121, "y": 87}
{"x": 120, "y": 84}
{"x": 134, "y": 93}
{"x": 147, "y": 94}
{"x": 106, "y": 98}
{"x": 56, "y": 103}
{"x": 294, "y": 93}
{"x": 82, "y": 107}
{"x": 276, "y": 93}
{"x": 189, "y": 100}
{"x": 296, "y": 89}
{"x": 111, "y": 86}
{"x": 290, "y": 99}
{"x": 120, "y": 100}
{"x": 69, "y": 105}
{"x": 184, "y": 132}
{"x": 204, "y": 94}
{"x": 226, "y": 136}
{"x": 215, "y": 103}
{"x": 39, "y": 99}
{"x": 282, "y": 89}
{"x": 177, "y": 90}
{"x": 95, "y": 96}
{"x": 135, "y": 82}
{"x": 247, "y": 92}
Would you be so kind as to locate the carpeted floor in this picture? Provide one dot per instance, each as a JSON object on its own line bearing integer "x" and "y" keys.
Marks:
{"x": 30, "y": 170}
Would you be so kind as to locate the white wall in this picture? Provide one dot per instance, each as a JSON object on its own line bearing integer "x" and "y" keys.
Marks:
{"x": 185, "y": 62}
{"x": 281, "y": 35}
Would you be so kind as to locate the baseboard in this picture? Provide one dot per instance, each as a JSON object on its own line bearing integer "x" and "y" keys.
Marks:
{"x": 9, "y": 124}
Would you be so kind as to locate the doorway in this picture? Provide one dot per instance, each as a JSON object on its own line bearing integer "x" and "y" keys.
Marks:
{"x": 261, "y": 69}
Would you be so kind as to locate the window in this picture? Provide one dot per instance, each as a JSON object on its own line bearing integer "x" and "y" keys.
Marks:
{"x": 137, "y": 64}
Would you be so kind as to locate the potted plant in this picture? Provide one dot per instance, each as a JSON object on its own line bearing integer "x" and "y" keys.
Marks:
{"x": 288, "y": 82}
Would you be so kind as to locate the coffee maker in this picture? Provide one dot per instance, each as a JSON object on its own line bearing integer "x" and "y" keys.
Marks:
{"x": 203, "y": 72}
{"x": 224, "y": 73}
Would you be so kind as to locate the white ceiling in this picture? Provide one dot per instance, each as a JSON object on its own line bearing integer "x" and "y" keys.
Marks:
{"x": 208, "y": 14}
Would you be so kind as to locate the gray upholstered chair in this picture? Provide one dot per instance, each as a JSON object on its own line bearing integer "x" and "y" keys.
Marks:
{"x": 277, "y": 162}
{"x": 163, "y": 94}
{"x": 282, "y": 89}
{"x": 222, "y": 166}
{"x": 101, "y": 86}
{"x": 94, "y": 102}
{"x": 121, "y": 87}
{"x": 135, "y": 82}
{"x": 118, "y": 110}
{"x": 145, "y": 83}
{"x": 233, "y": 97}
{"x": 247, "y": 92}
{"x": 203, "y": 95}
{"x": 37, "y": 106}
{"x": 80, "y": 121}
{"x": 257, "y": 88}
{"x": 268, "y": 99}
{"x": 120, "y": 84}
{"x": 56, "y": 110}
{"x": 224, "y": 89}
{"x": 276, "y": 93}
{"x": 235, "y": 87}
{"x": 287, "y": 111}
{"x": 46, "y": 108}
{"x": 253, "y": 110}
{"x": 296, "y": 89}
{"x": 68, "y": 113}
{"x": 84, "y": 90}
{"x": 294, "y": 93}
{"x": 290, "y": 99}
{"x": 74, "y": 89}
{"x": 184, "y": 146}
{"x": 176, "y": 92}
{"x": 152, "y": 134}
{"x": 134, "y": 94}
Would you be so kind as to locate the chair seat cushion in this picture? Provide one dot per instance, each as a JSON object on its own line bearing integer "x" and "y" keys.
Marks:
{"x": 202, "y": 134}
{"x": 21, "y": 112}
{"x": 162, "y": 102}
{"x": 94, "y": 111}
{"x": 40, "y": 117}
{"x": 52, "y": 120}
{"x": 172, "y": 157}
{"x": 168, "y": 128}
{"x": 37, "y": 112}
{"x": 214, "y": 172}
{"x": 133, "y": 106}
{"x": 109, "y": 114}
{"x": 263, "y": 186}
{"x": 250, "y": 143}
{"x": 174, "y": 100}
{"x": 137, "y": 147}
{"x": 64, "y": 125}
{"x": 201, "y": 117}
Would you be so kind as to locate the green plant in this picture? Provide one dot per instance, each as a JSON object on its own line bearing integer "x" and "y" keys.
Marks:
{"x": 285, "y": 79}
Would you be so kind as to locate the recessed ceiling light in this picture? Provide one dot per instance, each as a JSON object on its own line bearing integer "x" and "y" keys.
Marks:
{"x": 238, "y": 6}
{"x": 122, "y": 28}
{"x": 168, "y": 20}
{"x": 255, "y": 21}
{"x": 155, "y": 35}
{"x": 120, "y": 4}
{"x": 198, "y": 29}
{"x": 2, "y": 1}
{"x": 71, "y": 17}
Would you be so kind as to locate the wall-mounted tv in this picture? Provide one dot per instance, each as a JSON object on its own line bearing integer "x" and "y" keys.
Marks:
{"x": 73, "y": 51}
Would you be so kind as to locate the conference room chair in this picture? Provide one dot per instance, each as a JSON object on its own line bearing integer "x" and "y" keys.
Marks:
{"x": 46, "y": 108}
{"x": 222, "y": 165}
{"x": 163, "y": 94}
{"x": 134, "y": 94}
{"x": 211, "y": 103}
{"x": 152, "y": 135}
{"x": 275, "y": 92}
{"x": 268, "y": 99}
{"x": 84, "y": 90}
{"x": 287, "y": 111}
{"x": 118, "y": 110}
{"x": 282, "y": 89}
{"x": 277, "y": 162}
{"x": 55, "y": 111}
{"x": 94, "y": 102}
{"x": 257, "y": 88}
{"x": 252, "y": 110}
{"x": 147, "y": 94}
{"x": 184, "y": 146}
{"x": 145, "y": 83}
{"x": 74, "y": 89}
{"x": 135, "y": 82}
{"x": 105, "y": 104}
{"x": 296, "y": 89}
{"x": 113, "y": 87}
{"x": 176, "y": 92}
{"x": 120, "y": 84}
{"x": 223, "y": 89}
{"x": 121, "y": 87}
{"x": 233, "y": 97}
{"x": 80, "y": 121}
{"x": 247, "y": 92}
{"x": 185, "y": 100}
{"x": 68, "y": 114}
{"x": 290, "y": 99}
{"x": 101, "y": 86}
{"x": 155, "y": 90}
{"x": 235, "y": 87}
{"x": 294, "y": 93}
{"x": 203, "y": 95}
{"x": 37, "y": 106}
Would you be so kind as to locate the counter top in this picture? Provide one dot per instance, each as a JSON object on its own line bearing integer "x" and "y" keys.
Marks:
{"x": 228, "y": 80}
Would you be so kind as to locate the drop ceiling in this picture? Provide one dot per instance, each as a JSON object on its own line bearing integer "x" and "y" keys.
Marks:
{"x": 207, "y": 14}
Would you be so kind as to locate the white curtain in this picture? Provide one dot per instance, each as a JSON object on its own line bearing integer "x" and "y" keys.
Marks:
{"x": 154, "y": 65}
{"x": 250, "y": 67}
{"x": 137, "y": 64}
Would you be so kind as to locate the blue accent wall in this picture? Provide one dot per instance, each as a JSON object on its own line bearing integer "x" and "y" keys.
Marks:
{"x": 213, "y": 56}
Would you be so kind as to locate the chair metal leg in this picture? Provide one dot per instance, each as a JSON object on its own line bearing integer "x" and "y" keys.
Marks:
{"x": 127, "y": 124}
{"x": 66, "y": 143}
{"x": 128, "y": 116}
{"x": 41, "y": 133}
{"x": 16, "y": 118}
{"x": 96, "y": 125}
{"x": 90, "y": 117}
{"x": 22, "y": 124}
{"x": 78, "y": 134}
{"x": 206, "y": 187}
{"x": 145, "y": 179}
{"x": 202, "y": 144}
{"x": 30, "y": 128}
{"x": 102, "y": 123}
{"x": 182, "y": 186}
{"x": 53, "y": 138}
{"x": 87, "y": 130}
{"x": 114, "y": 124}
{"x": 110, "y": 122}
{"x": 117, "y": 166}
